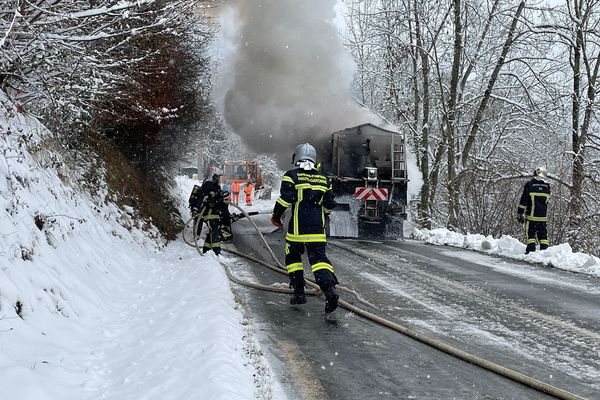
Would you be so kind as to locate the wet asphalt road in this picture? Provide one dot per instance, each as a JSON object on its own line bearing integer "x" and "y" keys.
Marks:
{"x": 536, "y": 320}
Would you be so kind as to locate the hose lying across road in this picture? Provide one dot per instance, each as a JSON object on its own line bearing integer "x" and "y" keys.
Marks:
{"x": 446, "y": 348}
{"x": 276, "y": 289}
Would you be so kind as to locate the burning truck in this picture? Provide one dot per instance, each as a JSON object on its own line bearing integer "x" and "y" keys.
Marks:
{"x": 367, "y": 168}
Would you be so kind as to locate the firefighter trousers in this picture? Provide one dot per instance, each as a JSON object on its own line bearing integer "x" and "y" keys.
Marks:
{"x": 536, "y": 233}
{"x": 319, "y": 264}
{"x": 213, "y": 236}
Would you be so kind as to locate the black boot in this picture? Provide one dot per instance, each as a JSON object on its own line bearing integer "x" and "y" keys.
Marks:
{"x": 297, "y": 283}
{"x": 331, "y": 299}
{"x": 327, "y": 281}
{"x": 298, "y": 298}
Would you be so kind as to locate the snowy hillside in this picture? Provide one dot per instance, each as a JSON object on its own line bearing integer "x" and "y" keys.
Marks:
{"x": 93, "y": 307}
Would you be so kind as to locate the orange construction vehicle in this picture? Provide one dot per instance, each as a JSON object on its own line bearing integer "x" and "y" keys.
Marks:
{"x": 243, "y": 172}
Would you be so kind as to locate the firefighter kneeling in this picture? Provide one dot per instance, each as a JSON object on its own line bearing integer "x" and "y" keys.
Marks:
{"x": 208, "y": 204}
{"x": 308, "y": 193}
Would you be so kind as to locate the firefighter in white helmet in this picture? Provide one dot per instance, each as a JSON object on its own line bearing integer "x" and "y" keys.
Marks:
{"x": 533, "y": 210}
{"x": 307, "y": 192}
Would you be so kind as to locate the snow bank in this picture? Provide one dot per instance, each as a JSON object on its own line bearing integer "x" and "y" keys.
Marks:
{"x": 559, "y": 256}
{"x": 93, "y": 307}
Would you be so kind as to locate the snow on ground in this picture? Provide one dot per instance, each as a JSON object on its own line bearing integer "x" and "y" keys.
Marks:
{"x": 92, "y": 307}
{"x": 558, "y": 256}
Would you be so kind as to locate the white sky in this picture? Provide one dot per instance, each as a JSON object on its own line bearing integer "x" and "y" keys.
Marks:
{"x": 108, "y": 314}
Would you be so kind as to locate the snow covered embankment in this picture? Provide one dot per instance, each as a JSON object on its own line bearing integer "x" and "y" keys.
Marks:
{"x": 61, "y": 252}
{"x": 93, "y": 307}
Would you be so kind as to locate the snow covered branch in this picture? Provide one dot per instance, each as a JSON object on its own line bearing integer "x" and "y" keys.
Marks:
{"x": 74, "y": 57}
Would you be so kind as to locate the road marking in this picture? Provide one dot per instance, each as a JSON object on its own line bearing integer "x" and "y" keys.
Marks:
{"x": 306, "y": 381}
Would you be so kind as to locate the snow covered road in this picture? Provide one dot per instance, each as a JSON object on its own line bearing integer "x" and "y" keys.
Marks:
{"x": 532, "y": 319}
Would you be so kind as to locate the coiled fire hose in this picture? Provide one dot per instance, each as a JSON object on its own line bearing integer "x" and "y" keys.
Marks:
{"x": 446, "y": 348}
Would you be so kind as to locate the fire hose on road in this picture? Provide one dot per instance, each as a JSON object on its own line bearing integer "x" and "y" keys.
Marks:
{"x": 446, "y": 348}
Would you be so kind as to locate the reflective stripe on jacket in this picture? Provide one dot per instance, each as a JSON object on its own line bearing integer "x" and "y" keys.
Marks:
{"x": 534, "y": 200}
{"x": 309, "y": 195}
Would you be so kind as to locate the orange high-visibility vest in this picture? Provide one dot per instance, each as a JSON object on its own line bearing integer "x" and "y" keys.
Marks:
{"x": 248, "y": 191}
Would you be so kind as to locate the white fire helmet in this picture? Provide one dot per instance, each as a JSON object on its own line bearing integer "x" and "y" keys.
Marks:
{"x": 541, "y": 172}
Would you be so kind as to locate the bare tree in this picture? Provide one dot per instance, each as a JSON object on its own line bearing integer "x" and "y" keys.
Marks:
{"x": 451, "y": 114}
{"x": 494, "y": 89}
{"x": 490, "y": 86}
{"x": 575, "y": 27}
{"x": 63, "y": 59}
{"x": 425, "y": 100}
{"x": 585, "y": 52}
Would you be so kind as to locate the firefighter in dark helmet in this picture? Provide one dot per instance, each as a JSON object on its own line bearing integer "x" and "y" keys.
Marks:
{"x": 307, "y": 192}
{"x": 207, "y": 204}
{"x": 533, "y": 210}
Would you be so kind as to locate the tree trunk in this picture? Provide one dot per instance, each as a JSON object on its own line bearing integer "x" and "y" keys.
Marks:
{"x": 415, "y": 37}
{"x": 577, "y": 168}
{"x": 424, "y": 212}
{"x": 451, "y": 117}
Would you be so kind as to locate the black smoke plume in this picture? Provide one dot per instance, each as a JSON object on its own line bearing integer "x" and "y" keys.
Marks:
{"x": 287, "y": 77}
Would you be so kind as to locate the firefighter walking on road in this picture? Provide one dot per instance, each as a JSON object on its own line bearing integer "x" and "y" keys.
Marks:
{"x": 308, "y": 193}
{"x": 207, "y": 205}
{"x": 533, "y": 210}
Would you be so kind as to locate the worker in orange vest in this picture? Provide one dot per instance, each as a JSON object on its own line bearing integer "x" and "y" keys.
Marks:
{"x": 248, "y": 191}
{"x": 235, "y": 192}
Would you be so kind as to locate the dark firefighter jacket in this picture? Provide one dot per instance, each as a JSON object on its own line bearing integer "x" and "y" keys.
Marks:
{"x": 207, "y": 200}
{"x": 534, "y": 200}
{"x": 309, "y": 195}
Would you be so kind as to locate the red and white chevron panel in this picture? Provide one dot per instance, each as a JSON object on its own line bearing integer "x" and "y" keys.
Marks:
{"x": 363, "y": 194}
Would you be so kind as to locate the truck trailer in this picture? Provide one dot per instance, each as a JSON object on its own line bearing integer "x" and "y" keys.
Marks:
{"x": 367, "y": 168}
